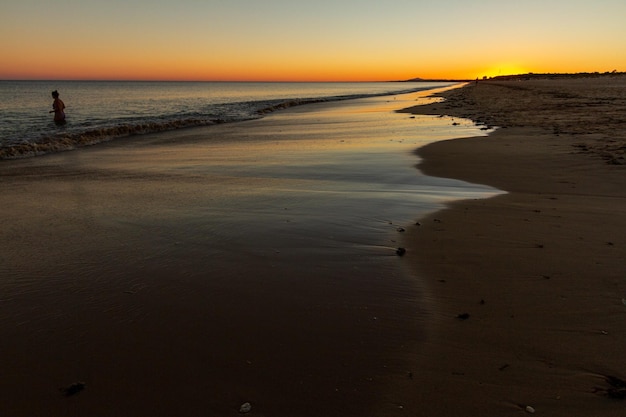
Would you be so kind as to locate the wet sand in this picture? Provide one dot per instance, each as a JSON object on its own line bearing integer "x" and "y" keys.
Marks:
{"x": 188, "y": 273}
{"x": 527, "y": 288}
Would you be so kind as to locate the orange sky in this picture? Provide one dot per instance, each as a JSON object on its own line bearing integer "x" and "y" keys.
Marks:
{"x": 291, "y": 40}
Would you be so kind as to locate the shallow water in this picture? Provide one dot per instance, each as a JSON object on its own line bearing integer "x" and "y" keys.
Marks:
{"x": 188, "y": 272}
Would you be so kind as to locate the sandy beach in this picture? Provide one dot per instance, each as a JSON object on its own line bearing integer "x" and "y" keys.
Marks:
{"x": 191, "y": 272}
{"x": 528, "y": 287}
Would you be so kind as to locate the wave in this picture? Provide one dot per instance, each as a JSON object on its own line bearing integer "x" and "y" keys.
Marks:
{"x": 299, "y": 102}
{"x": 70, "y": 141}
{"x": 219, "y": 113}
{"x": 290, "y": 103}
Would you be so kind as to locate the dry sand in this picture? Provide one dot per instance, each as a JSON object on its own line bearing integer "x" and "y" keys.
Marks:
{"x": 528, "y": 288}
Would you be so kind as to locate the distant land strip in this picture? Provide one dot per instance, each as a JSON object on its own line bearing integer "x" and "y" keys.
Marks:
{"x": 531, "y": 76}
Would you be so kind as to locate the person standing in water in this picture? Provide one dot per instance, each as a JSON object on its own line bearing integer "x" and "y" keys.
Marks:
{"x": 58, "y": 108}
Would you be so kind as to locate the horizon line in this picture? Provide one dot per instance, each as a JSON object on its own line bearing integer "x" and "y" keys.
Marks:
{"x": 235, "y": 81}
{"x": 414, "y": 79}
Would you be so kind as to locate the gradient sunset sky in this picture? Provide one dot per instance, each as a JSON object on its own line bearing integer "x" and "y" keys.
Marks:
{"x": 313, "y": 40}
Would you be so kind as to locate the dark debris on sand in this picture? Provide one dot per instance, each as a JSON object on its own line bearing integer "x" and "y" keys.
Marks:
{"x": 73, "y": 389}
{"x": 616, "y": 390}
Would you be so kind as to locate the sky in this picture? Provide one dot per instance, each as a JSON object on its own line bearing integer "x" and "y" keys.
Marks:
{"x": 313, "y": 40}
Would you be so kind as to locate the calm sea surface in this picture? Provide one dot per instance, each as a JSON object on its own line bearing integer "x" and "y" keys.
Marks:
{"x": 102, "y": 110}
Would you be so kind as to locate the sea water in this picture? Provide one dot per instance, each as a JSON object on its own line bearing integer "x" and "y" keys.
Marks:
{"x": 103, "y": 110}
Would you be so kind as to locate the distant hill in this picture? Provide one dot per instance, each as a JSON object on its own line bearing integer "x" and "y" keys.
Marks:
{"x": 412, "y": 80}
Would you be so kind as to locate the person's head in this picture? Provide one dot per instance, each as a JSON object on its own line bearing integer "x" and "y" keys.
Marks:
{"x": 55, "y": 94}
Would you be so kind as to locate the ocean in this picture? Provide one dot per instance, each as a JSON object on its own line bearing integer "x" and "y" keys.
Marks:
{"x": 98, "y": 111}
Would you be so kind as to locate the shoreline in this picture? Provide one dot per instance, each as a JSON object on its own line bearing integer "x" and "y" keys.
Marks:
{"x": 527, "y": 286}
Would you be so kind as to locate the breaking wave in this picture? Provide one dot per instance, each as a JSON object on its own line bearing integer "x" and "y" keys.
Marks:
{"x": 69, "y": 141}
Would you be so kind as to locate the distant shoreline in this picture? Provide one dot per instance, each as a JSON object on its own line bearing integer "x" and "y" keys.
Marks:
{"x": 528, "y": 76}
